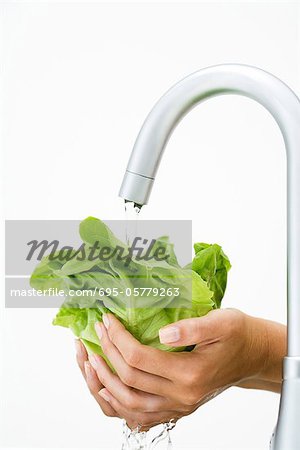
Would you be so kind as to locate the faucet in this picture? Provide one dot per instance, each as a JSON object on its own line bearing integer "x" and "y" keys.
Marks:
{"x": 284, "y": 106}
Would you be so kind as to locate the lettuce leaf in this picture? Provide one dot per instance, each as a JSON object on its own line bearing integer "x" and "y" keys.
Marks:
{"x": 201, "y": 285}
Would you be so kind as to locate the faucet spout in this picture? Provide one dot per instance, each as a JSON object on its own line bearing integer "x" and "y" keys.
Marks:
{"x": 284, "y": 106}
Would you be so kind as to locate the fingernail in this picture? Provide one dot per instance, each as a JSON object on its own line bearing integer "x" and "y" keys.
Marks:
{"x": 93, "y": 361}
{"x": 105, "y": 320}
{"x": 169, "y": 334}
{"x": 87, "y": 367}
{"x": 78, "y": 346}
{"x": 104, "y": 394}
{"x": 98, "y": 330}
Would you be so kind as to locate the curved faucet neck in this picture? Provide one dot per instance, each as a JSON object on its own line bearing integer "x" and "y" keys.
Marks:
{"x": 244, "y": 80}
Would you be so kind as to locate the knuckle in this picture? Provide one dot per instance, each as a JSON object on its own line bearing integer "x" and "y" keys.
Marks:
{"x": 234, "y": 322}
{"x": 197, "y": 328}
{"x": 128, "y": 377}
{"x": 133, "y": 357}
{"x": 190, "y": 378}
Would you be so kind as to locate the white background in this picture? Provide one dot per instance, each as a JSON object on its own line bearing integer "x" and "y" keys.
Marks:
{"x": 79, "y": 79}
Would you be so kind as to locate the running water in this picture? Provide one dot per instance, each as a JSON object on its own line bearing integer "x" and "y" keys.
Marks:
{"x": 136, "y": 439}
{"x": 132, "y": 211}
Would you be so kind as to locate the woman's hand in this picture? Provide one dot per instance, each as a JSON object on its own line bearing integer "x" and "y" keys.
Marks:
{"x": 151, "y": 386}
{"x": 134, "y": 416}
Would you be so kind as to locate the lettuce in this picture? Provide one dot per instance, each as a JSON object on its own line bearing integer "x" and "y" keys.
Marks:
{"x": 201, "y": 285}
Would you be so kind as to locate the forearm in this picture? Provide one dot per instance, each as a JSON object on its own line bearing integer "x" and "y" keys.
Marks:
{"x": 269, "y": 347}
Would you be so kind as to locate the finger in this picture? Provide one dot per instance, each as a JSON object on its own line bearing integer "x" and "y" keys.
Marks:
{"x": 94, "y": 386}
{"x": 200, "y": 330}
{"x": 81, "y": 355}
{"x": 128, "y": 397}
{"x": 136, "y": 419}
{"x": 131, "y": 376}
{"x": 146, "y": 358}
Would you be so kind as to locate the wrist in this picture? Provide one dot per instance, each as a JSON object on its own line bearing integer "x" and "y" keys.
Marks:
{"x": 276, "y": 339}
{"x": 267, "y": 345}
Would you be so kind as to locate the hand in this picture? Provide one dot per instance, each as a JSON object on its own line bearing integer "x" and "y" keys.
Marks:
{"x": 151, "y": 386}
{"x": 103, "y": 397}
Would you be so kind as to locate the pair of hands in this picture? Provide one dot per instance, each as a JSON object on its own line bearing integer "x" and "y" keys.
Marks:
{"x": 151, "y": 386}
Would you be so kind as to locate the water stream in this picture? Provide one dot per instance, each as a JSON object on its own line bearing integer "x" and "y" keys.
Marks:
{"x": 136, "y": 439}
{"x": 132, "y": 211}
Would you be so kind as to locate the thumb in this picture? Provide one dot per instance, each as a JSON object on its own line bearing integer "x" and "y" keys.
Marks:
{"x": 198, "y": 330}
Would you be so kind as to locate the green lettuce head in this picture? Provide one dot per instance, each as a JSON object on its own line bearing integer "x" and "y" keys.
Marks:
{"x": 144, "y": 295}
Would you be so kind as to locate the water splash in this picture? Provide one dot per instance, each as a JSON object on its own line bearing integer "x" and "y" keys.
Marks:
{"x": 164, "y": 435}
{"x": 133, "y": 439}
{"x": 138, "y": 440}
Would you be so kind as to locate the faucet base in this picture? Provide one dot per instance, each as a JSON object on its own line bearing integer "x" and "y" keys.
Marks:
{"x": 286, "y": 435}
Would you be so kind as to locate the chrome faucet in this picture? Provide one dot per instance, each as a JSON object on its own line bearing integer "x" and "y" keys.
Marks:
{"x": 284, "y": 106}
